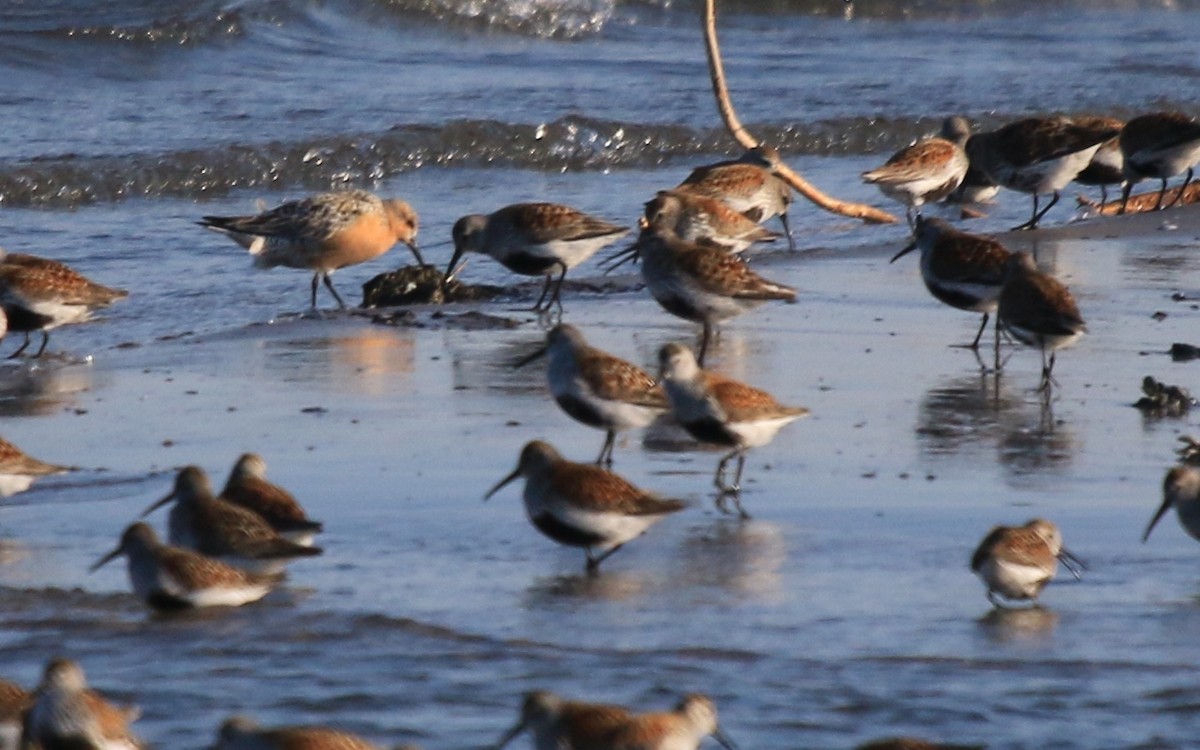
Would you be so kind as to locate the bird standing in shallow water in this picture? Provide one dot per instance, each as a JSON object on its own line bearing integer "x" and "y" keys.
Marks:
{"x": 925, "y": 172}
{"x": 698, "y": 282}
{"x": 1181, "y": 491}
{"x": 66, "y": 715}
{"x": 248, "y": 487}
{"x": 1162, "y": 145}
{"x": 581, "y": 505}
{"x": 39, "y": 294}
{"x": 1038, "y": 310}
{"x": 1016, "y": 562}
{"x": 220, "y": 529}
{"x": 323, "y": 233}
{"x": 534, "y": 239}
{"x": 598, "y": 389}
{"x": 242, "y": 733}
{"x": 748, "y": 185}
{"x": 1037, "y": 155}
{"x": 684, "y": 728}
{"x": 963, "y": 270}
{"x": 558, "y": 724}
{"x": 171, "y": 578}
{"x": 719, "y": 410}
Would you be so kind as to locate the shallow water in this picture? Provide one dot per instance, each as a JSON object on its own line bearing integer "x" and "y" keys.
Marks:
{"x": 843, "y": 611}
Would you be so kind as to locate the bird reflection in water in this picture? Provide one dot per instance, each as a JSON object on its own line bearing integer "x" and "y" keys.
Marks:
{"x": 47, "y": 387}
{"x": 962, "y": 414}
{"x": 554, "y": 592}
{"x": 1008, "y": 624}
{"x": 744, "y": 559}
{"x": 1031, "y": 446}
{"x": 363, "y": 362}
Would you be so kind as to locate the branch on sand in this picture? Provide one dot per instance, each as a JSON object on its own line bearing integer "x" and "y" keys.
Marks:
{"x": 1143, "y": 202}
{"x": 716, "y": 71}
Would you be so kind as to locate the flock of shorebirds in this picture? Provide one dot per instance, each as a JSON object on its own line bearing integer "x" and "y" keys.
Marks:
{"x": 229, "y": 549}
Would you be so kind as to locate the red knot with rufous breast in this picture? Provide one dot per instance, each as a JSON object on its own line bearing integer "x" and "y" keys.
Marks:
{"x": 323, "y": 233}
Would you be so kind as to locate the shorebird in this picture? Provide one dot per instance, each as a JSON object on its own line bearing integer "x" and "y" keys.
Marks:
{"x": 19, "y": 470}
{"x": 1181, "y": 491}
{"x": 1036, "y": 155}
{"x": 1107, "y": 166}
{"x": 248, "y": 487}
{"x": 927, "y": 171}
{"x": 323, "y": 233}
{"x": 243, "y": 733}
{"x": 976, "y": 185}
{"x": 169, "y": 578}
{"x": 749, "y": 185}
{"x": 558, "y": 724}
{"x": 702, "y": 219}
{"x": 220, "y": 529}
{"x": 1016, "y": 562}
{"x": 66, "y": 715}
{"x": 14, "y": 702}
{"x": 39, "y": 294}
{"x": 698, "y": 282}
{"x": 694, "y": 719}
{"x": 963, "y": 270}
{"x": 1162, "y": 145}
{"x": 722, "y": 411}
{"x": 1038, "y": 310}
{"x": 581, "y": 505}
{"x": 534, "y": 239}
{"x": 598, "y": 389}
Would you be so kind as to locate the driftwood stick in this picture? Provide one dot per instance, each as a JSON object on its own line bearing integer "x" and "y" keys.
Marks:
{"x": 716, "y": 70}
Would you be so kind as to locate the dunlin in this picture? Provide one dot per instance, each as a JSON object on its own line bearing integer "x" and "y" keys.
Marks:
{"x": 14, "y": 702}
{"x": 248, "y": 487}
{"x": 694, "y": 719}
{"x": 534, "y": 239}
{"x": 925, "y": 172}
{"x": 66, "y": 715}
{"x": 220, "y": 529}
{"x": 963, "y": 270}
{"x": 718, "y": 410}
{"x": 598, "y": 389}
{"x": 1107, "y": 166}
{"x": 700, "y": 218}
{"x": 1162, "y": 145}
{"x": 170, "y": 578}
{"x": 1016, "y": 562}
{"x": 976, "y": 186}
{"x": 749, "y": 185}
{"x": 558, "y": 724}
{"x": 1181, "y": 491}
{"x": 581, "y": 505}
{"x": 38, "y": 294}
{"x": 698, "y": 282}
{"x": 1037, "y": 155}
{"x": 18, "y": 470}
{"x": 323, "y": 233}
{"x": 243, "y": 733}
{"x": 1038, "y": 310}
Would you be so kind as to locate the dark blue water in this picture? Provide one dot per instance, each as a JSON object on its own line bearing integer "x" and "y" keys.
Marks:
{"x": 842, "y": 612}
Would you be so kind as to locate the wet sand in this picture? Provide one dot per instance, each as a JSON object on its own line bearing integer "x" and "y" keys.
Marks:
{"x": 864, "y": 514}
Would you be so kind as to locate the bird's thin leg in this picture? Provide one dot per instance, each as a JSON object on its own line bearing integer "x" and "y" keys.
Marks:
{"x": 545, "y": 289}
{"x": 315, "y": 281}
{"x": 1161, "y": 191}
{"x": 21, "y": 348}
{"x": 42, "y": 348}
{"x": 704, "y": 339}
{"x": 329, "y": 286}
{"x": 1179, "y": 196}
{"x": 1125, "y": 190}
{"x": 594, "y": 562}
{"x": 555, "y": 299}
{"x": 787, "y": 232}
{"x": 606, "y": 453}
